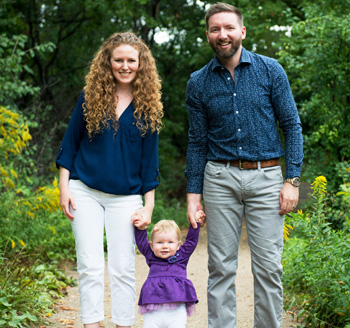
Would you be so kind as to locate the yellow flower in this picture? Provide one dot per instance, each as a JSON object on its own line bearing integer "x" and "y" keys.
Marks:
{"x": 286, "y": 231}
{"x": 14, "y": 174}
{"x": 54, "y": 183}
{"x": 319, "y": 186}
{"x": 22, "y": 243}
{"x": 3, "y": 131}
{"x": 31, "y": 214}
{"x": 13, "y": 244}
{"x": 9, "y": 183}
{"x": 53, "y": 230}
{"x": 12, "y": 122}
{"x": 3, "y": 172}
{"x": 26, "y": 136}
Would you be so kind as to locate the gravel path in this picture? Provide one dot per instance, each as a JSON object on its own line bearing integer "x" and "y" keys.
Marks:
{"x": 67, "y": 310}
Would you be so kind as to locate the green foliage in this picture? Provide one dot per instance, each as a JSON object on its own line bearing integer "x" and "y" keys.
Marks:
{"x": 172, "y": 181}
{"x": 316, "y": 266}
{"x": 26, "y": 206}
{"x": 170, "y": 210}
{"x": 13, "y": 53}
{"x": 14, "y": 136}
{"x": 337, "y": 204}
{"x": 27, "y": 292}
{"x": 318, "y": 64}
{"x": 31, "y": 228}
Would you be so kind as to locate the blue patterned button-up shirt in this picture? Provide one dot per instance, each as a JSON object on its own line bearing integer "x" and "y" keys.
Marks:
{"x": 239, "y": 119}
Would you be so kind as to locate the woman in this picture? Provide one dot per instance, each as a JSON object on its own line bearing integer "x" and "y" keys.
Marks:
{"x": 108, "y": 160}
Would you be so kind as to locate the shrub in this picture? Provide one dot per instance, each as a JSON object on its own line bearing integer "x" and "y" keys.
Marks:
{"x": 28, "y": 291}
{"x": 316, "y": 265}
{"x": 33, "y": 232}
{"x": 29, "y": 214}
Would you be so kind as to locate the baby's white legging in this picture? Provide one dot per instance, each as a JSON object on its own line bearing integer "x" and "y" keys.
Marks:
{"x": 176, "y": 318}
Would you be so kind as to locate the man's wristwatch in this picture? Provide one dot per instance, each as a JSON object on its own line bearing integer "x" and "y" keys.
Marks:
{"x": 294, "y": 181}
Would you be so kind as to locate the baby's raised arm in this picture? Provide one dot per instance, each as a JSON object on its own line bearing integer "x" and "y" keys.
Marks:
{"x": 142, "y": 242}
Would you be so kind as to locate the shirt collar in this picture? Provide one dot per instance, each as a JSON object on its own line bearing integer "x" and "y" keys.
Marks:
{"x": 245, "y": 58}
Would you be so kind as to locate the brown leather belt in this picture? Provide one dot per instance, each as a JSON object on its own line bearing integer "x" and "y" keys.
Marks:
{"x": 248, "y": 165}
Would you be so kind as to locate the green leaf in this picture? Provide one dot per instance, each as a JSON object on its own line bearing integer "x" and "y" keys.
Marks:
{"x": 3, "y": 301}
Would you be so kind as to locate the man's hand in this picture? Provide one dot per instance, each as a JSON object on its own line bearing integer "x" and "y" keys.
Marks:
{"x": 193, "y": 206}
{"x": 289, "y": 197}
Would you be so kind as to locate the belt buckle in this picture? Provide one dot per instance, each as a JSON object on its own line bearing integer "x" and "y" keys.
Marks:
{"x": 240, "y": 164}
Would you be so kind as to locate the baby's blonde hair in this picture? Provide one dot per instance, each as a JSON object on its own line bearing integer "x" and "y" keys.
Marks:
{"x": 166, "y": 226}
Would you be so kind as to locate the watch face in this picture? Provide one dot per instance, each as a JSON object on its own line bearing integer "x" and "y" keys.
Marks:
{"x": 296, "y": 182}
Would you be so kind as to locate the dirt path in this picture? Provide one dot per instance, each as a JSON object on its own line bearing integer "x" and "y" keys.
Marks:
{"x": 68, "y": 309}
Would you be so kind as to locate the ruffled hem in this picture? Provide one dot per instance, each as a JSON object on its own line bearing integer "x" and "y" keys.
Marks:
{"x": 190, "y": 307}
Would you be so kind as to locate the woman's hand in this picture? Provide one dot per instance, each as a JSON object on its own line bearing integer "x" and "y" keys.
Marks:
{"x": 141, "y": 219}
{"x": 67, "y": 202}
{"x": 66, "y": 197}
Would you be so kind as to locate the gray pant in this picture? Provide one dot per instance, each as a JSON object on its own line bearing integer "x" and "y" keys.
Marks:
{"x": 229, "y": 195}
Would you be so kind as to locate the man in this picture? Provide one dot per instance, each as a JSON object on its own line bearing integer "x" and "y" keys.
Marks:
{"x": 236, "y": 103}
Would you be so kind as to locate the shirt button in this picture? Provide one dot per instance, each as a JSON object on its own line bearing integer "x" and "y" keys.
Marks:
{"x": 229, "y": 78}
{"x": 240, "y": 148}
{"x": 234, "y": 94}
{"x": 239, "y": 130}
{"x": 236, "y": 111}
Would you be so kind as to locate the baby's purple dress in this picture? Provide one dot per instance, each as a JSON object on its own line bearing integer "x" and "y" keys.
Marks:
{"x": 167, "y": 285}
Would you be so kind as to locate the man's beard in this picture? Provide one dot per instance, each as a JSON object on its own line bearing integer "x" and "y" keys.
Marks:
{"x": 229, "y": 52}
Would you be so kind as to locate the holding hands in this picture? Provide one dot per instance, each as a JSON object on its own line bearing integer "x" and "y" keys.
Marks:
{"x": 195, "y": 211}
{"x": 141, "y": 219}
{"x": 200, "y": 217}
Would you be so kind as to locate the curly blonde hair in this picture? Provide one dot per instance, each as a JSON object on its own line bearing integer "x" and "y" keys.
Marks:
{"x": 166, "y": 226}
{"x": 101, "y": 87}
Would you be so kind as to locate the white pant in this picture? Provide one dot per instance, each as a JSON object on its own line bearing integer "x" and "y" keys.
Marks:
{"x": 176, "y": 318}
{"x": 95, "y": 212}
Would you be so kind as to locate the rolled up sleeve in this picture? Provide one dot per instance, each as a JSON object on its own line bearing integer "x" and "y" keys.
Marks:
{"x": 72, "y": 138}
{"x": 149, "y": 162}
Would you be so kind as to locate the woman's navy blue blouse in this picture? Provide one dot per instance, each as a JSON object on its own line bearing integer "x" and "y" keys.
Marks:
{"x": 119, "y": 163}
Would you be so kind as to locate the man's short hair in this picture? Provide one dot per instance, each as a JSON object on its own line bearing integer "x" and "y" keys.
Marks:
{"x": 221, "y": 7}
